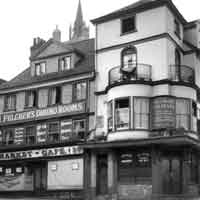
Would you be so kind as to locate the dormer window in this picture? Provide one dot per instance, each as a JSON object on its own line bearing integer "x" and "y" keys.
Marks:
{"x": 40, "y": 68}
{"x": 65, "y": 63}
{"x": 128, "y": 25}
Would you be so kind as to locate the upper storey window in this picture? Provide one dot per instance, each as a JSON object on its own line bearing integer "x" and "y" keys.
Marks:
{"x": 10, "y": 102}
{"x": 177, "y": 28}
{"x": 80, "y": 91}
{"x": 128, "y": 25}
{"x": 65, "y": 63}
{"x": 30, "y": 99}
{"x": 40, "y": 68}
{"x": 129, "y": 58}
{"x": 54, "y": 96}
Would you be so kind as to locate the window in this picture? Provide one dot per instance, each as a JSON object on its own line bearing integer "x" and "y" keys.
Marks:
{"x": 135, "y": 167}
{"x": 79, "y": 129}
{"x": 177, "y": 28}
{"x": 54, "y": 96}
{"x": 31, "y": 99}
{"x": 183, "y": 113}
{"x": 10, "y": 102}
{"x": 80, "y": 91}
{"x": 141, "y": 113}
{"x": 9, "y": 136}
{"x": 40, "y": 68}
{"x": 65, "y": 63}
{"x": 30, "y": 135}
{"x": 110, "y": 116}
{"x": 53, "y": 132}
{"x": 128, "y": 25}
{"x": 122, "y": 114}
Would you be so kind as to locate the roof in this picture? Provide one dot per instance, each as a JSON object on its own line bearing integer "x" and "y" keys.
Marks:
{"x": 86, "y": 65}
{"x": 140, "y": 6}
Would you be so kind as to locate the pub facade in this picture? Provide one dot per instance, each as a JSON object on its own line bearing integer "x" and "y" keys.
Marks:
{"x": 45, "y": 113}
{"x": 146, "y": 141}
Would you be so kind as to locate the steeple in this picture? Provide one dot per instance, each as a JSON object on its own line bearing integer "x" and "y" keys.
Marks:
{"x": 80, "y": 30}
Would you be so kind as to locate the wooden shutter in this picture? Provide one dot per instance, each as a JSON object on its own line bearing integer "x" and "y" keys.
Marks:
{"x": 67, "y": 94}
{"x": 66, "y": 129}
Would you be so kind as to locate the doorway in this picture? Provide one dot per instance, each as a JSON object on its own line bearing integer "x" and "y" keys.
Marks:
{"x": 171, "y": 175}
{"x": 102, "y": 175}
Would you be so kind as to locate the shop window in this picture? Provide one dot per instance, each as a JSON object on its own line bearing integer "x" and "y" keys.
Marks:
{"x": 110, "y": 116}
{"x": 128, "y": 25}
{"x": 30, "y": 135}
{"x": 9, "y": 136}
{"x": 80, "y": 91}
{"x": 135, "y": 167}
{"x": 122, "y": 113}
{"x": 30, "y": 99}
{"x": 183, "y": 114}
{"x": 65, "y": 63}
{"x": 54, "y": 96}
{"x": 141, "y": 113}
{"x": 40, "y": 68}
{"x": 10, "y": 102}
{"x": 79, "y": 129}
{"x": 53, "y": 132}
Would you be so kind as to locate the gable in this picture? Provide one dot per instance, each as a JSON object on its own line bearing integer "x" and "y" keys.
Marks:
{"x": 53, "y": 49}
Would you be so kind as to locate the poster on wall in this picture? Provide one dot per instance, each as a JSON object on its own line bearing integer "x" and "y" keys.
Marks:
{"x": 163, "y": 113}
{"x": 66, "y": 129}
{"x": 19, "y": 136}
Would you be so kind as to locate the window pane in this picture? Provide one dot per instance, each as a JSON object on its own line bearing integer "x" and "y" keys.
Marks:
{"x": 30, "y": 135}
{"x": 41, "y": 133}
{"x": 122, "y": 113}
{"x": 110, "y": 117}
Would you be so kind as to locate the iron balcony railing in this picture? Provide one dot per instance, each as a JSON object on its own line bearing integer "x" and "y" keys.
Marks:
{"x": 181, "y": 73}
{"x": 130, "y": 72}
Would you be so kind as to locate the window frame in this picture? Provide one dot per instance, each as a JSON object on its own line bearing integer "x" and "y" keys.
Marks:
{"x": 63, "y": 59}
{"x": 121, "y": 25}
{"x": 6, "y": 107}
{"x": 74, "y": 91}
{"x": 39, "y": 64}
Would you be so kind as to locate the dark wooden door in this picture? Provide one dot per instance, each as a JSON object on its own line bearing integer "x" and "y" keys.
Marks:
{"x": 102, "y": 175}
{"x": 172, "y": 175}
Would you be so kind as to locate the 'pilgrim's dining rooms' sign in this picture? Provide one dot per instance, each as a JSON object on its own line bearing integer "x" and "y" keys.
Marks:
{"x": 42, "y": 153}
{"x": 42, "y": 113}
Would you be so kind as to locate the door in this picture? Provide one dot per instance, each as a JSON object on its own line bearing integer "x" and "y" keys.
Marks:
{"x": 102, "y": 175}
{"x": 171, "y": 175}
{"x": 40, "y": 177}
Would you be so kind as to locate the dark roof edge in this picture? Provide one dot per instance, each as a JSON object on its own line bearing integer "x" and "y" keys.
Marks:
{"x": 141, "y": 8}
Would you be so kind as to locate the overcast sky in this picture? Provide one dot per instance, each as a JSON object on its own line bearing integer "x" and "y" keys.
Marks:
{"x": 22, "y": 20}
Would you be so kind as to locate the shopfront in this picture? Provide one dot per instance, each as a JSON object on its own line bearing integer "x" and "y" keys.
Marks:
{"x": 43, "y": 171}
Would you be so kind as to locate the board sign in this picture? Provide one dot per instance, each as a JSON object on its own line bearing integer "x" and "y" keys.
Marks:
{"x": 163, "y": 113}
{"x": 37, "y": 114}
{"x": 42, "y": 153}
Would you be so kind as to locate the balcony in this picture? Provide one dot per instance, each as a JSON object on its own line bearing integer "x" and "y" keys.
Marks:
{"x": 181, "y": 73}
{"x": 129, "y": 73}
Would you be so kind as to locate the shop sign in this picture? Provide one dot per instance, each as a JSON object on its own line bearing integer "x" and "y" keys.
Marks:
{"x": 42, "y": 153}
{"x": 42, "y": 113}
{"x": 163, "y": 113}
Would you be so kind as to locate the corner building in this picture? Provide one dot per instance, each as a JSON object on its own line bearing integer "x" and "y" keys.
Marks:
{"x": 45, "y": 113}
{"x": 146, "y": 143}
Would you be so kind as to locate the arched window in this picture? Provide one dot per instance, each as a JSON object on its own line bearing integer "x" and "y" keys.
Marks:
{"x": 129, "y": 58}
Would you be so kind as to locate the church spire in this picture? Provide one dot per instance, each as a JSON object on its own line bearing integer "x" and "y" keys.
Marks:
{"x": 80, "y": 30}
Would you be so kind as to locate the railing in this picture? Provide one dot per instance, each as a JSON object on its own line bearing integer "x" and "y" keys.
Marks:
{"x": 132, "y": 72}
{"x": 181, "y": 73}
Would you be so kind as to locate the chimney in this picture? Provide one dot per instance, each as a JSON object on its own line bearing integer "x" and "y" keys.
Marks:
{"x": 57, "y": 34}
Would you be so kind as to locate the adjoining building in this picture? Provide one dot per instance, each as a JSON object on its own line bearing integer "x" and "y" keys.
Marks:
{"x": 44, "y": 117}
{"x": 146, "y": 143}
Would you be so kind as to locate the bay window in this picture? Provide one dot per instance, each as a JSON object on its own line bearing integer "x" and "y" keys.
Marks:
{"x": 141, "y": 113}
{"x": 183, "y": 114}
{"x": 122, "y": 114}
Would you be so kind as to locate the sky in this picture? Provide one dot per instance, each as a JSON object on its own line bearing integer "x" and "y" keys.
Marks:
{"x": 23, "y": 20}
